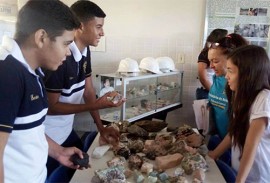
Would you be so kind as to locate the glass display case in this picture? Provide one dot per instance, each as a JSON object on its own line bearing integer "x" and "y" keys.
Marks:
{"x": 146, "y": 94}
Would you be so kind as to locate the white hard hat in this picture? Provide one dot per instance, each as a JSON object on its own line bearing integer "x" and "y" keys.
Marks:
{"x": 166, "y": 64}
{"x": 128, "y": 65}
{"x": 150, "y": 64}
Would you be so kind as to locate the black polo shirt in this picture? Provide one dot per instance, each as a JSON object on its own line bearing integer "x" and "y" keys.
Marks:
{"x": 67, "y": 78}
{"x": 22, "y": 97}
{"x": 69, "y": 81}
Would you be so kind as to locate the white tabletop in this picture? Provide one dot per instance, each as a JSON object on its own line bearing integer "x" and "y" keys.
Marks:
{"x": 213, "y": 175}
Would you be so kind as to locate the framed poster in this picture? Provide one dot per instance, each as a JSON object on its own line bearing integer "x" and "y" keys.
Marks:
{"x": 250, "y": 19}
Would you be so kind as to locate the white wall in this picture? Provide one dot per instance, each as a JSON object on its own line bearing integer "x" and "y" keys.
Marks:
{"x": 140, "y": 28}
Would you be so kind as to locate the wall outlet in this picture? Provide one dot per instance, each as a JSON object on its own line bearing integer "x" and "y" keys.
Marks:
{"x": 181, "y": 58}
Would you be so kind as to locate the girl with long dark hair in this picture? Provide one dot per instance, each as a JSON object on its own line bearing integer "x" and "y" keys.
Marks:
{"x": 248, "y": 75}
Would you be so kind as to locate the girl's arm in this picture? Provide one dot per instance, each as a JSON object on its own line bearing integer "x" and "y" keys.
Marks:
{"x": 253, "y": 138}
{"x": 221, "y": 148}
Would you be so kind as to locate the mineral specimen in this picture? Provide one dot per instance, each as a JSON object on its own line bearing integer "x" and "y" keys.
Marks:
{"x": 116, "y": 161}
{"x": 169, "y": 161}
{"x": 112, "y": 174}
{"x": 122, "y": 150}
{"x": 84, "y": 163}
{"x": 152, "y": 126}
{"x": 147, "y": 167}
{"x": 135, "y": 162}
{"x": 137, "y": 131}
{"x": 136, "y": 146}
{"x": 192, "y": 162}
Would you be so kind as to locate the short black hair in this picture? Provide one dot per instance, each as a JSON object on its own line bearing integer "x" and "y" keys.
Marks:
{"x": 51, "y": 15}
{"x": 86, "y": 10}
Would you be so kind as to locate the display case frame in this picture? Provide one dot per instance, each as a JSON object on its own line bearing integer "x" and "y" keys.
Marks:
{"x": 122, "y": 83}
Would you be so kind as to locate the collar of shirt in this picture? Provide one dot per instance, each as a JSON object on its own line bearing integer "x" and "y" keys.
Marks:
{"x": 76, "y": 52}
{"x": 17, "y": 53}
{"x": 8, "y": 43}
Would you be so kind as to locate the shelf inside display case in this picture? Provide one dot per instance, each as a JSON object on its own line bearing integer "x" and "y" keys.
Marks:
{"x": 146, "y": 94}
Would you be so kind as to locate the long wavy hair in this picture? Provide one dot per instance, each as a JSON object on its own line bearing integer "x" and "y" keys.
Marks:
{"x": 253, "y": 76}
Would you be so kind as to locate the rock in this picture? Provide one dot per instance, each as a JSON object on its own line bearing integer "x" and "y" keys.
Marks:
{"x": 199, "y": 175}
{"x": 192, "y": 162}
{"x": 152, "y": 179}
{"x": 135, "y": 162}
{"x": 122, "y": 150}
{"x": 148, "y": 144}
{"x": 112, "y": 174}
{"x": 178, "y": 147}
{"x": 116, "y": 161}
{"x": 179, "y": 172}
{"x": 164, "y": 140}
{"x": 194, "y": 140}
{"x": 100, "y": 151}
{"x": 123, "y": 125}
{"x": 84, "y": 163}
{"x": 184, "y": 131}
{"x": 128, "y": 173}
{"x": 153, "y": 174}
{"x": 182, "y": 179}
{"x": 152, "y": 126}
{"x": 147, "y": 167}
{"x": 123, "y": 138}
{"x": 163, "y": 176}
{"x": 138, "y": 177}
{"x": 136, "y": 146}
{"x": 169, "y": 161}
{"x": 137, "y": 131}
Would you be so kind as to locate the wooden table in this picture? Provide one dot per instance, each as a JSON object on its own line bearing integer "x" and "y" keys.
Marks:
{"x": 213, "y": 175}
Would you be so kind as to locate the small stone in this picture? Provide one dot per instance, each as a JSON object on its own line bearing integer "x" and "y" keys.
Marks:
{"x": 199, "y": 174}
{"x": 138, "y": 177}
{"x": 153, "y": 174}
{"x": 152, "y": 179}
{"x": 163, "y": 176}
{"x": 179, "y": 172}
{"x": 147, "y": 167}
{"x": 100, "y": 151}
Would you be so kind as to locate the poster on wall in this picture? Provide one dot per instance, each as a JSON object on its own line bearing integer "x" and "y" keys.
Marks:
{"x": 8, "y": 10}
{"x": 252, "y": 30}
{"x": 253, "y": 11}
{"x": 251, "y": 20}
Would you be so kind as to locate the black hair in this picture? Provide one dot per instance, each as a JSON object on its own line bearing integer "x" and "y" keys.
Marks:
{"x": 229, "y": 43}
{"x": 86, "y": 10}
{"x": 215, "y": 36}
{"x": 51, "y": 15}
{"x": 253, "y": 76}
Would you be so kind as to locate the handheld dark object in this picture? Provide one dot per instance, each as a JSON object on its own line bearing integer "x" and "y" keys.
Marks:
{"x": 84, "y": 163}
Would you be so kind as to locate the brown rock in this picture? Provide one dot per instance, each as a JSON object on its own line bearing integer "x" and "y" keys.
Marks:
{"x": 194, "y": 140}
{"x": 169, "y": 161}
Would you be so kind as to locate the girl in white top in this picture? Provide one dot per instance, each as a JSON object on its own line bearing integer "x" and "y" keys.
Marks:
{"x": 248, "y": 75}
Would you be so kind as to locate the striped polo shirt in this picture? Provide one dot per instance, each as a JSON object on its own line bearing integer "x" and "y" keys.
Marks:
{"x": 23, "y": 107}
{"x": 69, "y": 81}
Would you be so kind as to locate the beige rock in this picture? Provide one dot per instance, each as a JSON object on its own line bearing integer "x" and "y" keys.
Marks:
{"x": 199, "y": 175}
{"x": 169, "y": 161}
{"x": 147, "y": 167}
{"x": 148, "y": 144}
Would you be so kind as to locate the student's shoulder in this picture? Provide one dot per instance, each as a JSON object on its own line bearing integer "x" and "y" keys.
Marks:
{"x": 10, "y": 66}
